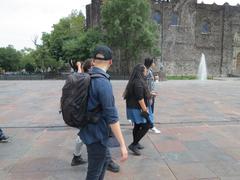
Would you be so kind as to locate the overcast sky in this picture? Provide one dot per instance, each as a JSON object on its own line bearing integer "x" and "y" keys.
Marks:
{"x": 22, "y": 20}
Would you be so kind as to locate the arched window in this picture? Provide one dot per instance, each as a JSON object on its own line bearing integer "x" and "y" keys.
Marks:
{"x": 174, "y": 19}
{"x": 205, "y": 27}
{"x": 157, "y": 17}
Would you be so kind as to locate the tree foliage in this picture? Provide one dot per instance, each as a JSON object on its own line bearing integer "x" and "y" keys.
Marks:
{"x": 27, "y": 61}
{"x": 81, "y": 47}
{"x": 67, "y": 29}
{"x": 128, "y": 26}
{"x": 68, "y": 40}
{"x": 9, "y": 58}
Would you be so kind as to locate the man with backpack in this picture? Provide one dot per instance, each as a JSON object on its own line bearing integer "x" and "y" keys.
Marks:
{"x": 96, "y": 135}
{"x": 77, "y": 155}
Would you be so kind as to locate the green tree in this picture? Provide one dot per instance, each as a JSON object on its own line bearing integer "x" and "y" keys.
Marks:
{"x": 44, "y": 60}
{"x": 29, "y": 68}
{"x": 81, "y": 47}
{"x": 67, "y": 29}
{"x": 129, "y": 27}
{"x": 10, "y": 58}
{"x": 27, "y": 61}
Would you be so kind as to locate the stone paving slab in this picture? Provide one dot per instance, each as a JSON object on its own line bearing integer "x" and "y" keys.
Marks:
{"x": 178, "y": 102}
{"x": 199, "y": 122}
{"x": 47, "y": 153}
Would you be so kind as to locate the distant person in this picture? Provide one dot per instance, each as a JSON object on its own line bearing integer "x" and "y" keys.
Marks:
{"x": 137, "y": 98}
{"x": 77, "y": 155}
{"x": 3, "y": 137}
{"x": 149, "y": 63}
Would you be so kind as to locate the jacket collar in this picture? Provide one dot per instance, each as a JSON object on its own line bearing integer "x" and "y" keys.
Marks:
{"x": 96, "y": 70}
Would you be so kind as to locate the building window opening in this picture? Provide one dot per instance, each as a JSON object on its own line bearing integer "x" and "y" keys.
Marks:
{"x": 205, "y": 28}
{"x": 174, "y": 20}
{"x": 157, "y": 17}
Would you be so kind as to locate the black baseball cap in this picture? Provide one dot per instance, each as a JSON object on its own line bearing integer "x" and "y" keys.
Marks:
{"x": 102, "y": 53}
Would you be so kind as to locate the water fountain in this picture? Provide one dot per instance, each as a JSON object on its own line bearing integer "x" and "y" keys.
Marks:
{"x": 202, "y": 69}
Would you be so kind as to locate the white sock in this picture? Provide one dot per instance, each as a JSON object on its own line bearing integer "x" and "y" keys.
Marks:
{"x": 78, "y": 147}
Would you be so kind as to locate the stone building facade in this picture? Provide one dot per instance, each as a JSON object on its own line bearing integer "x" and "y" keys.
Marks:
{"x": 188, "y": 29}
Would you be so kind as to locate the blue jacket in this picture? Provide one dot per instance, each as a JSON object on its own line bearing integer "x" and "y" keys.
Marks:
{"x": 100, "y": 92}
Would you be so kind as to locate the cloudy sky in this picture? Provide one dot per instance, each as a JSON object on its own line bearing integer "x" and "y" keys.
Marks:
{"x": 23, "y": 20}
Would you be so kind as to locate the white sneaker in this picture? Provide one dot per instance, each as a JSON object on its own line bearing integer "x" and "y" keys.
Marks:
{"x": 155, "y": 130}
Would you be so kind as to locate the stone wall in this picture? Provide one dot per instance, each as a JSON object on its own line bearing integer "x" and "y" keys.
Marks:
{"x": 188, "y": 30}
{"x": 210, "y": 43}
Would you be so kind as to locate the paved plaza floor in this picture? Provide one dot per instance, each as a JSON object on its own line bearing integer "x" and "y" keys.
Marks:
{"x": 199, "y": 121}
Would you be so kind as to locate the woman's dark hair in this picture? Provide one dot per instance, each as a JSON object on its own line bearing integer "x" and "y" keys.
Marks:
{"x": 148, "y": 62}
{"x": 87, "y": 65}
{"x": 137, "y": 74}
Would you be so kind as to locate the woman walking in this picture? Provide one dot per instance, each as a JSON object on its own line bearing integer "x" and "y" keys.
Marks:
{"x": 137, "y": 98}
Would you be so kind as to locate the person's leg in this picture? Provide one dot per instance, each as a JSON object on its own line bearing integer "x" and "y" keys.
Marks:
{"x": 136, "y": 130}
{"x": 77, "y": 158}
{"x": 143, "y": 130}
{"x": 112, "y": 142}
{"x": 134, "y": 146}
{"x": 152, "y": 106}
{"x": 78, "y": 147}
{"x": 98, "y": 158}
{"x": 3, "y": 137}
{"x": 151, "y": 118}
{"x": 135, "y": 134}
{"x": 106, "y": 164}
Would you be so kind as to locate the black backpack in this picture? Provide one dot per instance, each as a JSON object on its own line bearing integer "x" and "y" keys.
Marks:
{"x": 75, "y": 98}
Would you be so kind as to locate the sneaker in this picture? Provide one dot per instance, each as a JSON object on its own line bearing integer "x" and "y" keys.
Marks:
{"x": 134, "y": 149}
{"x": 155, "y": 130}
{"x": 3, "y": 138}
{"x": 77, "y": 160}
{"x": 113, "y": 167}
{"x": 139, "y": 146}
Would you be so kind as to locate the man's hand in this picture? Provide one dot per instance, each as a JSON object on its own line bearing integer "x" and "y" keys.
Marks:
{"x": 124, "y": 153}
{"x": 115, "y": 127}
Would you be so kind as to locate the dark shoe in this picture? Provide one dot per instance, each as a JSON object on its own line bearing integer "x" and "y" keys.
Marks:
{"x": 77, "y": 160}
{"x": 3, "y": 138}
{"x": 139, "y": 146}
{"x": 134, "y": 149}
{"x": 113, "y": 167}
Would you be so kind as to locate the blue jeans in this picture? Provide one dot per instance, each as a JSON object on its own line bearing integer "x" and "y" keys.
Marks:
{"x": 1, "y": 132}
{"x": 98, "y": 159}
{"x": 151, "y": 116}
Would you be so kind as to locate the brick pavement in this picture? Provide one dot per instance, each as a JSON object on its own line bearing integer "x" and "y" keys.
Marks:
{"x": 199, "y": 121}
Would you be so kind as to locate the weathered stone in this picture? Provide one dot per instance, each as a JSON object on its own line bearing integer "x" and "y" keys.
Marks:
{"x": 190, "y": 29}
